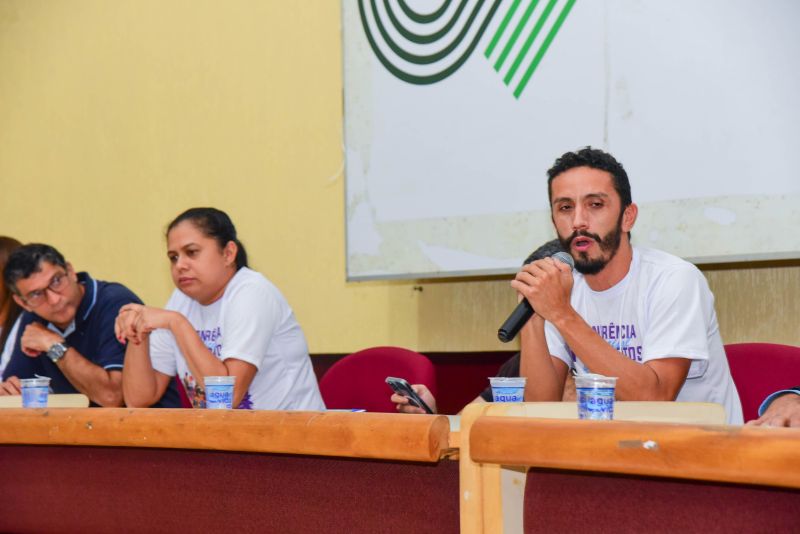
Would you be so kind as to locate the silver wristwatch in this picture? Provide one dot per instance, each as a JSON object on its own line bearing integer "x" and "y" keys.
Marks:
{"x": 57, "y": 351}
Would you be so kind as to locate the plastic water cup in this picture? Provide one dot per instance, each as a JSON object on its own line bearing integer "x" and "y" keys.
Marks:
{"x": 219, "y": 392}
{"x": 34, "y": 392}
{"x": 595, "y": 396}
{"x": 507, "y": 389}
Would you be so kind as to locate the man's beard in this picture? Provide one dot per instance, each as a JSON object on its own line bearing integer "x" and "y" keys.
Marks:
{"x": 609, "y": 243}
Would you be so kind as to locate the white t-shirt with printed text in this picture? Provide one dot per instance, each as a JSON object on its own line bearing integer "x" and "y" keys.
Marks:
{"x": 663, "y": 308}
{"x": 252, "y": 322}
{"x": 8, "y": 346}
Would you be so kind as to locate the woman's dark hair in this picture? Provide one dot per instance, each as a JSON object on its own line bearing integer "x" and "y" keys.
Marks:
{"x": 215, "y": 224}
{"x": 7, "y": 246}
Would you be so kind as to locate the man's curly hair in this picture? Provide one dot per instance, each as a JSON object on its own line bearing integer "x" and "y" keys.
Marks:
{"x": 595, "y": 159}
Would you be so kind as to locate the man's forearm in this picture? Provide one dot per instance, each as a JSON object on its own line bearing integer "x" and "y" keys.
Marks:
{"x": 635, "y": 381}
{"x": 783, "y": 409}
{"x": 544, "y": 382}
{"x": 101, "y": 386}
{"x": 795, "y": 391}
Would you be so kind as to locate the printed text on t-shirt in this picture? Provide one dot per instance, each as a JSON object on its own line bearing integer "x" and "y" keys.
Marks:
{"x": 622, "y": 337}
{"x": 212, "y": 339}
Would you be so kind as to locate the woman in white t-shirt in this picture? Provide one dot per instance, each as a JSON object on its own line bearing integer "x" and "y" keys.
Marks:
{"x": 9, "y": 309}
{"x": 223, "y": 319}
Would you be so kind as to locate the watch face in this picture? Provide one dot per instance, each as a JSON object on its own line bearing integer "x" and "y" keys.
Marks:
{"x": 57, "y": 351}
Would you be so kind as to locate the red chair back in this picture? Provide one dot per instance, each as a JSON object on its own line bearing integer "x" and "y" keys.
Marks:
{"x": 759, "y": 369}
{"x": 359, "y": 380}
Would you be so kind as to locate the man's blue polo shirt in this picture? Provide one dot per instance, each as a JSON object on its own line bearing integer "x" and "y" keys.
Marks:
{"x": 91, "y": 334}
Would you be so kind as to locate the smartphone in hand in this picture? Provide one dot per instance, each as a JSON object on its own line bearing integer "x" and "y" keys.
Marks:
{"x": 401, "y": 387}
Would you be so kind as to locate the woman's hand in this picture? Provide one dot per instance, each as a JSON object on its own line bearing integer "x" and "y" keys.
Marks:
{"x": 12, "y": 386}
{"x": 423, "y": 392}
{"x": 135, "y": 322}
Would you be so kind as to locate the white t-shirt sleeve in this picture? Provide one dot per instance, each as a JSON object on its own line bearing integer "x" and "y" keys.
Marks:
{"x": 677, "y": 317}
{"x": 8, "y": 348}
{"x": 252, "y": 315}
{"x": 162, "y": 352}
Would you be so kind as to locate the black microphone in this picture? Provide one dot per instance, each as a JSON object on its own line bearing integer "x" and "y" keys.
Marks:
{"x": 524, "y": 310}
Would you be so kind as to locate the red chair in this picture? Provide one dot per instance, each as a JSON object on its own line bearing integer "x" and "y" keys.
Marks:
{"x": 759, "y": 369}
{"x": 359, "y": 379}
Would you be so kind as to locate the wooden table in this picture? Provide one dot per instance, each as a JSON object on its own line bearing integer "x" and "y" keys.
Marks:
{"x": 135, "y": 470}
{"x": 619, "y": 476}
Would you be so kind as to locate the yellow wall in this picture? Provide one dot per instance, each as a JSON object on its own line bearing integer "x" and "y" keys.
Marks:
{"x": 117, "y": 115}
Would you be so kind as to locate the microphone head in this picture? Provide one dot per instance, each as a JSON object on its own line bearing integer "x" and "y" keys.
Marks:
{"x": 564, "y": 257}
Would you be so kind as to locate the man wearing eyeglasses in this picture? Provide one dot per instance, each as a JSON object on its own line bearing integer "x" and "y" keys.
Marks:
{"x": 67, "y": 330}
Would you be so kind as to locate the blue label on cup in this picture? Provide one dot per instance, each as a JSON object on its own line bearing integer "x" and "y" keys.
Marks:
{"x": 34, "y": 397}
{"x": 507, "y": 394}
{"x": 219, "y": 396}
{"x": 595, "y": 403}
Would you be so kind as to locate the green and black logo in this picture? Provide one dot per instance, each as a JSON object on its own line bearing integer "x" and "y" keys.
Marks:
{"x": 425, "y": 48}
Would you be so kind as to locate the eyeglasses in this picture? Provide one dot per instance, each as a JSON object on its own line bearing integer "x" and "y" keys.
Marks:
{"x": 37, "y": 297}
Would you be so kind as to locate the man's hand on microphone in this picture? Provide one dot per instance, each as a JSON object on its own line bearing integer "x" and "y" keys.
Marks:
{"x": 547, "y": 285}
